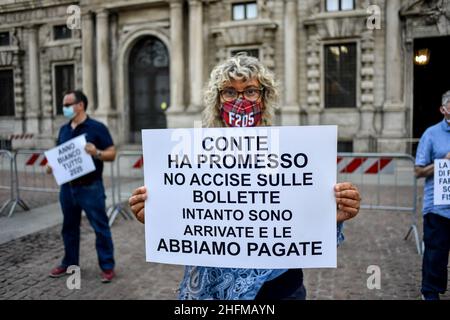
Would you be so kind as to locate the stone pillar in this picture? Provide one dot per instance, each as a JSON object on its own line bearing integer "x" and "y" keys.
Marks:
{"x": 176, "y": 57}
{"x": 33, "y": 109}
{"x": 290, "y": 113}
{"x": 394, "y": 118}
{"x": 394, "y": 65}
{"x": 196, "y": 54}
{"x": 103, "y": 65}
{"x": 364, "y": 140}
{"x": 313, "y": 100}
{"x": 88, "y": 57}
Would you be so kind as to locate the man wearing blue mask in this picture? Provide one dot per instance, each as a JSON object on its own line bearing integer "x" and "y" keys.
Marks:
{"x": 434, "y": 144}
{"x": 85, "y": 193}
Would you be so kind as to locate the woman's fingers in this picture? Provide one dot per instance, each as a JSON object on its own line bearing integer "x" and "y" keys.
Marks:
{"x": 141, "y": 216}
{"x": 346, "y": 213}
{"x": 140, "y": 190}
{"x": 344, "y": 186}
{"x": 346, "y": 202}
{"x": 351, "y": 212}
{"x": 137, "y": 207}
{"x": 350, "y": 194}
{"x": 140, "y": 198}
{"x": 138, "y": 195}
{"x": 137, "y": 203}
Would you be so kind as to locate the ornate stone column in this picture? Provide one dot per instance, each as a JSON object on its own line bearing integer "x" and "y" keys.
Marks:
{"x": 103, "y": 65}
{"x": 196, "y": 54}
{"x": 88, "y": 56}
{"x": 393, "y": 110}
{"x": 290, "y": 114}
{"x": 314, "y": 108}
{"x": 176, "y": 57}
{"x": 33, "y": 106}
{"x": 366, "y": 135}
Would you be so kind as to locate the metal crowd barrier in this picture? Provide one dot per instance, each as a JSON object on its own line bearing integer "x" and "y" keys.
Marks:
{"x": 127, "y": 174}
{"x": 24, "y": 170}
{"x": 31, "y": 169}
{"x": 386, "y": 181}
{"x": 10, "y": 170}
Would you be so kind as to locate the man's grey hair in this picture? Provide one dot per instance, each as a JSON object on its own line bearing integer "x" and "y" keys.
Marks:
{"x": 446, "y": 98}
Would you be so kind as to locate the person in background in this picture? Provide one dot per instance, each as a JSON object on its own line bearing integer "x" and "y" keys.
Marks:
{"x": 85, "y": 193}
{"x": 239, "y": 88}
{"x": 434, "y": 144}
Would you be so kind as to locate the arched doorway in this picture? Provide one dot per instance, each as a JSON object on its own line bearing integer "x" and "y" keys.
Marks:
{"x": 431, "y": 81}
{"x": 149, "y": 86}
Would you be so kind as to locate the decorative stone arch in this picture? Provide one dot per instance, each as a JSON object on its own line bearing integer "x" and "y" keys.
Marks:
{"x": 126, "y": 44}
{"x": 420, "y": 19}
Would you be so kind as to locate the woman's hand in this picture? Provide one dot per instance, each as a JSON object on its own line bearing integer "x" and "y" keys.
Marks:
{"x": 137, "y": 203}
{"x": 348, "y": 201}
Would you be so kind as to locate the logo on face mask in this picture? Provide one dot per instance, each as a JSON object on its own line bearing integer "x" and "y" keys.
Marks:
{"x": 241, "y": 113}
{"x": 68, "y": 112}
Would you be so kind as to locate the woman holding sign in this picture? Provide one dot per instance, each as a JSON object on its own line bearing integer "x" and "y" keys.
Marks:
{"x": 242, "y": 93}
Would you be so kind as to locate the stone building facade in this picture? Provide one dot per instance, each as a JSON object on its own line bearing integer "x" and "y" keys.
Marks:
{"x": 143, "y": 63}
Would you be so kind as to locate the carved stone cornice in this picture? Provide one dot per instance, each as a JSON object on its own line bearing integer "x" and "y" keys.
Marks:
{"x": 424, "y": 17}
{"x": 31, "y": 5}
{"x": 432, "y": 10}
{"x": 244, "y": 32}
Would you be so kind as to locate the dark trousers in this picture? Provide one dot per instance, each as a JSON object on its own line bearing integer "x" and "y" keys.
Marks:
{"x": 287, "y": 286}
{"x": 436, "y": 236}
{"x": 91, "y": 199}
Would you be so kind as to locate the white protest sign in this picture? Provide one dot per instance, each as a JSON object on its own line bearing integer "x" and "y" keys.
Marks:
{"x": 441, "y": 182}
{"x": 69, "y": 160}
{"x": 241, "y": 197}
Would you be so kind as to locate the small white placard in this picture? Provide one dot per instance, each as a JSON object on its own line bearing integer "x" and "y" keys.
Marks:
{"x": 441, "y": 182}
{"x": 69, "y": 160}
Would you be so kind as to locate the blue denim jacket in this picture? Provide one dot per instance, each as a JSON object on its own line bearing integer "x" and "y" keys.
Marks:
{"x": 208, "y": 283}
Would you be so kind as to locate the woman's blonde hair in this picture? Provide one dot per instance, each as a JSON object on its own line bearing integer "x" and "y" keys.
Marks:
{"x": 239, "y": 67}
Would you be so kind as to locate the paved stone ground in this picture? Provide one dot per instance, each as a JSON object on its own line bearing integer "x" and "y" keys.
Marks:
{"x": 373, "y": 238}
{"x": 25, "y": 263}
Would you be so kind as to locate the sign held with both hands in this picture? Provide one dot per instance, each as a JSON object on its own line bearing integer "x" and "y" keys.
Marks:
{"x": 260, "y": 197}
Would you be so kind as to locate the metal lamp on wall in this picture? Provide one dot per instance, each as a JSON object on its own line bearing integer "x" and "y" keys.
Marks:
{"x": 422, "y": 57}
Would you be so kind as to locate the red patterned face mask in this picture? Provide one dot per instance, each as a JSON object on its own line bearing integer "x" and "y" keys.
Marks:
{"x": 241, "y": 113}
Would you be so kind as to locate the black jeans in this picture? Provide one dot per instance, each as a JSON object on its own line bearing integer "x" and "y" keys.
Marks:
{"x": 436, "y": 236}
{"x": 288, "y": 286}
{"x": 91, "y": 199}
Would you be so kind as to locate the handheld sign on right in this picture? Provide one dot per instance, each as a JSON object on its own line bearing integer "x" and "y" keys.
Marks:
{"x": 441, "y": 182}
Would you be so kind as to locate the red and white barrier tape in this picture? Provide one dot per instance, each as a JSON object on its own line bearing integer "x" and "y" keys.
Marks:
{"x": 364, "y": 165}
{"x": 21, "y": 136}
{"x": 344, "y": 165}
{"x": 33, "y": 160}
